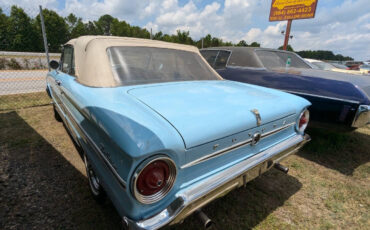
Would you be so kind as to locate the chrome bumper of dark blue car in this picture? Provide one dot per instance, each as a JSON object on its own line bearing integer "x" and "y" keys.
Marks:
{"x": 196, "y": 196}
{"x": 362, "y": 116}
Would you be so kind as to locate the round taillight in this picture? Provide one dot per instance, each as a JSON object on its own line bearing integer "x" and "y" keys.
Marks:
{"x": 154, "y": 179}
{"x": 303, "y": 121}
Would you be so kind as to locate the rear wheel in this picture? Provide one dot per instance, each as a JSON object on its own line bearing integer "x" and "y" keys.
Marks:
{"x": 56, "y": 114}
{"x": 94, "y": 182}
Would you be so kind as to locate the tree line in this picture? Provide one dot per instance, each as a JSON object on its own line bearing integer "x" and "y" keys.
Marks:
{"x": 323, "y": 55}
{"x": 20, "y": 32}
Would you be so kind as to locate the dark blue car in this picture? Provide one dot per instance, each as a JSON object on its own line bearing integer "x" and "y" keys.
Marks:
{"x": 338, "y": 99}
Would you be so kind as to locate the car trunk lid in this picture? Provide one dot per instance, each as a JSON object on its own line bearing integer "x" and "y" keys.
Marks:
{"x": 204, "y": 111}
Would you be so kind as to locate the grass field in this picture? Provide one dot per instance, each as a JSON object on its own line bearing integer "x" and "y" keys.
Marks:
{"x": 18, "y": 101}
{"x": 43, "y": 183}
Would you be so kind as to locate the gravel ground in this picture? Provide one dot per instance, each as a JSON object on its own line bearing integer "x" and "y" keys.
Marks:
{"x": 43, "y": 184}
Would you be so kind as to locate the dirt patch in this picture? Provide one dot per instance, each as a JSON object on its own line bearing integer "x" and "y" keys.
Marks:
{"x": 43, "y": 184}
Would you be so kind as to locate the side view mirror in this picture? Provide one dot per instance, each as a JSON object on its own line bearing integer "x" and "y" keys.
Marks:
{"x": 54, "y": 64}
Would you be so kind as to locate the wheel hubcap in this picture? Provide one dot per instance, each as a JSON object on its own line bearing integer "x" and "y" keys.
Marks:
{"x": 94, "y": 180}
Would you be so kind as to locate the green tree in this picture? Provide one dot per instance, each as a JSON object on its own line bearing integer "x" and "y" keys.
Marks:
{"x": 288, "y": 48}
{"x": 242, "y": 43}
{"x": 79, "y": 29}
{"x": 323, "y": 55}
{"x": 76, "y": 27}
{"x": 216, "y": 42}
{"x": 91, "y": 28}
{"x": 71, "y": 21}
{"x": 255, "y": 44}
{"x": 207, "y": 41}
{"x": 182, "y": 37}
{"x": 138, "y": 32}
{"x": 104, "y": 24}
{"x": 158, "y": 36}
{"x": 20, "y": 33}
{"x": 120, "y": 28}
{"x": 4, "y": 41}
{"x": 56, "y": 29}
{"x": 166, "y": 38}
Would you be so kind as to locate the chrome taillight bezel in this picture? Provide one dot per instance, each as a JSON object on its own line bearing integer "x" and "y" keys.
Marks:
{"x": 145, "y": 199}
{"x": 303, "y": 128}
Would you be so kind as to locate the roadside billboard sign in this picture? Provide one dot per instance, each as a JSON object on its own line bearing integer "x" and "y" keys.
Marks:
{"x": 292, "y": 9}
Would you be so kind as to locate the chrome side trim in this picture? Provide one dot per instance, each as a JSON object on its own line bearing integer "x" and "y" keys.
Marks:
{"x": 234, "y": 147}
{"x": 325, "y": 97}
{"x": 106, "y": 161}
{"x": 362, "y": 116}
{"x": 90, "y": 141}
{"x": 200, "y": 194}
{"x": 277, "y": 130}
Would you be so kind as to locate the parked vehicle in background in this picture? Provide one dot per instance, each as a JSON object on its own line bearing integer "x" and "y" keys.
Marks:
{"x": 353, "y": 65}
{"x": 161, "y": 132}
{"x": 339, "y": 66}
{"x": 317, "y": 64}
{"x": 365, "y": 68}
{"x": 338, "y": 99}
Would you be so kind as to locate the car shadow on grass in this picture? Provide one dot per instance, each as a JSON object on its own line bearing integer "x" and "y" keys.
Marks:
{"x": 341, "y": 151}
{"x": 39, "y": 188}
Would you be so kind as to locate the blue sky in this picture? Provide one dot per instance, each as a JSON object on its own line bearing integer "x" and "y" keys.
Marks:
{"x": 342, "y": 26}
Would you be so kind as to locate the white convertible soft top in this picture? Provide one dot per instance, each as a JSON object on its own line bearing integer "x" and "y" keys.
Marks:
{"x": 92, "y": 67}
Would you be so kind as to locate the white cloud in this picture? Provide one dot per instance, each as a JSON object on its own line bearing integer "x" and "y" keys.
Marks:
{"x": 225, "y": 23}
{"x": 93, "y": 9}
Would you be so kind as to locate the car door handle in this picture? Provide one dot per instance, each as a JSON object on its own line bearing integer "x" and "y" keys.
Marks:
{"x": 58, "y": 82}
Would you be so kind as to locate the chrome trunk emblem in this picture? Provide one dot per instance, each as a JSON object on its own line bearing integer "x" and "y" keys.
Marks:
{"x": 258, "y": 116}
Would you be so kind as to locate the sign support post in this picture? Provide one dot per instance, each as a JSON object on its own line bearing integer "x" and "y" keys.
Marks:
{"x": 287, "y": 33}
{"x": 282, "y": 10}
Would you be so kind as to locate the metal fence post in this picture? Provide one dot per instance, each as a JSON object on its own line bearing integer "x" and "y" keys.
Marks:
{"x": 44, "y": 37}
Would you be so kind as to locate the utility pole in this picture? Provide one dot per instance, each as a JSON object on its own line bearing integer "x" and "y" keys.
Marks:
{"x": 287, "y": 33}
{"x": 151, "y": 33}
{"x": 202, "y": 43}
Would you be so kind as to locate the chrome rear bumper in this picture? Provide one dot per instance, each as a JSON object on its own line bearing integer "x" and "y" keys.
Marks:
{"x": 362, "y": 116}
{"x": 198, "y": 195}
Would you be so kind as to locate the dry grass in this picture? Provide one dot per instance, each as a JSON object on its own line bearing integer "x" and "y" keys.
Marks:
{"x": 18, "y": 101}
{"x": 328, "y": 186}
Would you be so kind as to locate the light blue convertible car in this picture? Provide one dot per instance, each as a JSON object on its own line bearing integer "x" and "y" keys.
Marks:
{"x": 162, "y": 134}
